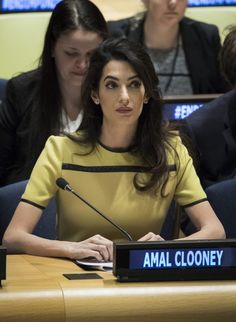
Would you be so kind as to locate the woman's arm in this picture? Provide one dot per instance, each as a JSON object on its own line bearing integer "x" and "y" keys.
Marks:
{"x": 18, "y": 238}
{"x": 204, "y": 218}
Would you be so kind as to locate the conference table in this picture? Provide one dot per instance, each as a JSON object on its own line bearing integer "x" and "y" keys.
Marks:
{"x": 36, "y": 290}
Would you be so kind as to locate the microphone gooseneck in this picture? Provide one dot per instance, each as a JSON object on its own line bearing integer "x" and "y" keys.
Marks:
{"x": 63, "y": 184}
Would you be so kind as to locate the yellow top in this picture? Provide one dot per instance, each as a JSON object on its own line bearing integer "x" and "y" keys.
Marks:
{"x": 105, "y": 179}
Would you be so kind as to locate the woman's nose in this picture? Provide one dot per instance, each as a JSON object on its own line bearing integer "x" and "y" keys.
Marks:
{"x": 124, "y": 95}
{"x": 82, "y": 64}
{"x": 172, "y": 3}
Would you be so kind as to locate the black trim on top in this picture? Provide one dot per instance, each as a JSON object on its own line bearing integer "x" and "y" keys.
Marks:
{"x": 33, "y": 203}
{"x": 194, "y": 203}
{"x": 76, "y": 167}
{"x": 116, "y": 150}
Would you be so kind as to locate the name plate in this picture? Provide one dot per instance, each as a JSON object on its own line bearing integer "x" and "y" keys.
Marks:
{"x": 175, "y": 260}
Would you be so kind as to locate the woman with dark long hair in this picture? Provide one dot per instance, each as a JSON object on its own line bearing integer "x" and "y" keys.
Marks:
{"x": 47, "y": 100}
{"x": 125, "y": 161}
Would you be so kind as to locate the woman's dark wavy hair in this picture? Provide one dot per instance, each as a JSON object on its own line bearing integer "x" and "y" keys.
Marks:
{"x": 228, "y": 56}
{"x": 152, "y": 132}
{"x": 68, "y": 15}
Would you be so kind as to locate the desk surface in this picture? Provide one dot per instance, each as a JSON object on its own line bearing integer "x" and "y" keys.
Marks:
{"x": 36, "y": 290}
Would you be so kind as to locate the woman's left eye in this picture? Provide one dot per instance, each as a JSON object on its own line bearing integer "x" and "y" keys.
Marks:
{"x": 135, "y": 84}
{"x": 71, "y": 54}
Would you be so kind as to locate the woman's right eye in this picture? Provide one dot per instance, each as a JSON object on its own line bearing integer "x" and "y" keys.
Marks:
{"x": 71, "y": 54}
{"x": 111, "y": 85}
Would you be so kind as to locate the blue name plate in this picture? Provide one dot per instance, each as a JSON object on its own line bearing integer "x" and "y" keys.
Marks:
{"x": 175, "y": 260}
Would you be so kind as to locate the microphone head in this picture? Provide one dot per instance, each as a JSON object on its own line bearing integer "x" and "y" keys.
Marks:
{"x": 62, "y": 183}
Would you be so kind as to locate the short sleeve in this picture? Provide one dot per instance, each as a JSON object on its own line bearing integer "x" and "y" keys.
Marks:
{"x": 188, "y": 189}
{"x": 42, "y": 183}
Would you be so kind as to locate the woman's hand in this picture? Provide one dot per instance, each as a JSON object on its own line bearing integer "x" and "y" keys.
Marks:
{"x": 97, "y": 247}
{"x": 151, "y": 237}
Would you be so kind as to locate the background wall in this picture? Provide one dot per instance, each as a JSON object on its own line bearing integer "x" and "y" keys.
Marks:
{"x": 21, "y": 35}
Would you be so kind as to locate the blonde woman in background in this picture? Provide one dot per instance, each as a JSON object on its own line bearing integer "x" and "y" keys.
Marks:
{"x": 183, "y": 51}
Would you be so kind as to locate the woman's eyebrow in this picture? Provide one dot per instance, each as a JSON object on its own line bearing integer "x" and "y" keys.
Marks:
{"x": 116, "y": 78}
{"x": 110, "y": 77}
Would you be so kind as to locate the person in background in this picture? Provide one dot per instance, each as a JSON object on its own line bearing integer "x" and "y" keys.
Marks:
{"x": 183, "y": 51}
{"x": 212, "y": 129}
{"x": 46, "y": 101}
{"x": 125, "y": 161}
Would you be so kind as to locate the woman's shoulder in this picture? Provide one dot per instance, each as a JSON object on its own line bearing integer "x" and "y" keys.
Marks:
{"x": 23, "y": 87}
{"x": 176, "y": 150}
{"x": 123, "y": 27}
{"x": 174, "y": 142}
{"x": 62, "y": 140}
{"x": 21, "y": 91}
{"x": 25, "y": 79}
{"x": 199, "y": 25}
{"x": 72, "y": 143}
{"x": 120, "y": 23}
{"x": 174, "y": 137}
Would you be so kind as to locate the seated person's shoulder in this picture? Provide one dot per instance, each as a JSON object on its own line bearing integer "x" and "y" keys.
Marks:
{"x": 208, "y": 121}
{"x": 119, "y": 22}
{"x": 200, "y": 25}
{"x": 25, "y": 78}
{"x": 214, "y": 110}
{"x": 23, "y": 83}
{"x": 123, "y": 26}
{"x": 117, "y": 27}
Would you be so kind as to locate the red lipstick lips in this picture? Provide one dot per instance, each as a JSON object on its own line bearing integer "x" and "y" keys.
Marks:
{"x": 124, "y": 109}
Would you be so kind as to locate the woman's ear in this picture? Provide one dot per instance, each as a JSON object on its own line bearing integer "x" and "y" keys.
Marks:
{"x": 146, "y": 99}
{"x": 95, "y": 97}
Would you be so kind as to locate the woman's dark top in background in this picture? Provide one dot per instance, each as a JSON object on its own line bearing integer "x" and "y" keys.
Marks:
{"x": 212, "y": 131}
{"x": 16, "y": 113}
{"x": 201, "y": 44}
{"x": 3, "y": 83}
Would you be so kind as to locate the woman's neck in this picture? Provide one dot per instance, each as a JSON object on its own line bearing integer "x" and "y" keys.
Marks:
{"x": 117, "y": 136}
{"x": 158, "y": 35}
{"x": 71, "y": 101}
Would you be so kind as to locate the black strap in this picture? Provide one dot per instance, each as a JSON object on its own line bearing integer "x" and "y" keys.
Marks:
{"x": 173, "y": 65}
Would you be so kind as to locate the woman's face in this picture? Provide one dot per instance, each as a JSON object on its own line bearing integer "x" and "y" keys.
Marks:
{"x": 166, "y": 11}
{"x": 121, "y": 94}
{"x": 72, "y": 53}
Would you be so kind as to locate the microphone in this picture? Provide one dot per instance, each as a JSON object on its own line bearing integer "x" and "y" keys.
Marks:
{"x": 63, "y": 184}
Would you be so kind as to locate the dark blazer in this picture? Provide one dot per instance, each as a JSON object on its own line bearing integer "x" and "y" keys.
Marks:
{"x": 212, "y": 130}
{"x": 3, "y": 83}
{"x": 15, "y": 119}
{"x": 201, "y": 44}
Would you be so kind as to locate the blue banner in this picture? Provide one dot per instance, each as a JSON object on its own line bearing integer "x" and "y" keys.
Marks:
{"x": 27, "y": 5}
{"x": 208, "y": 3}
